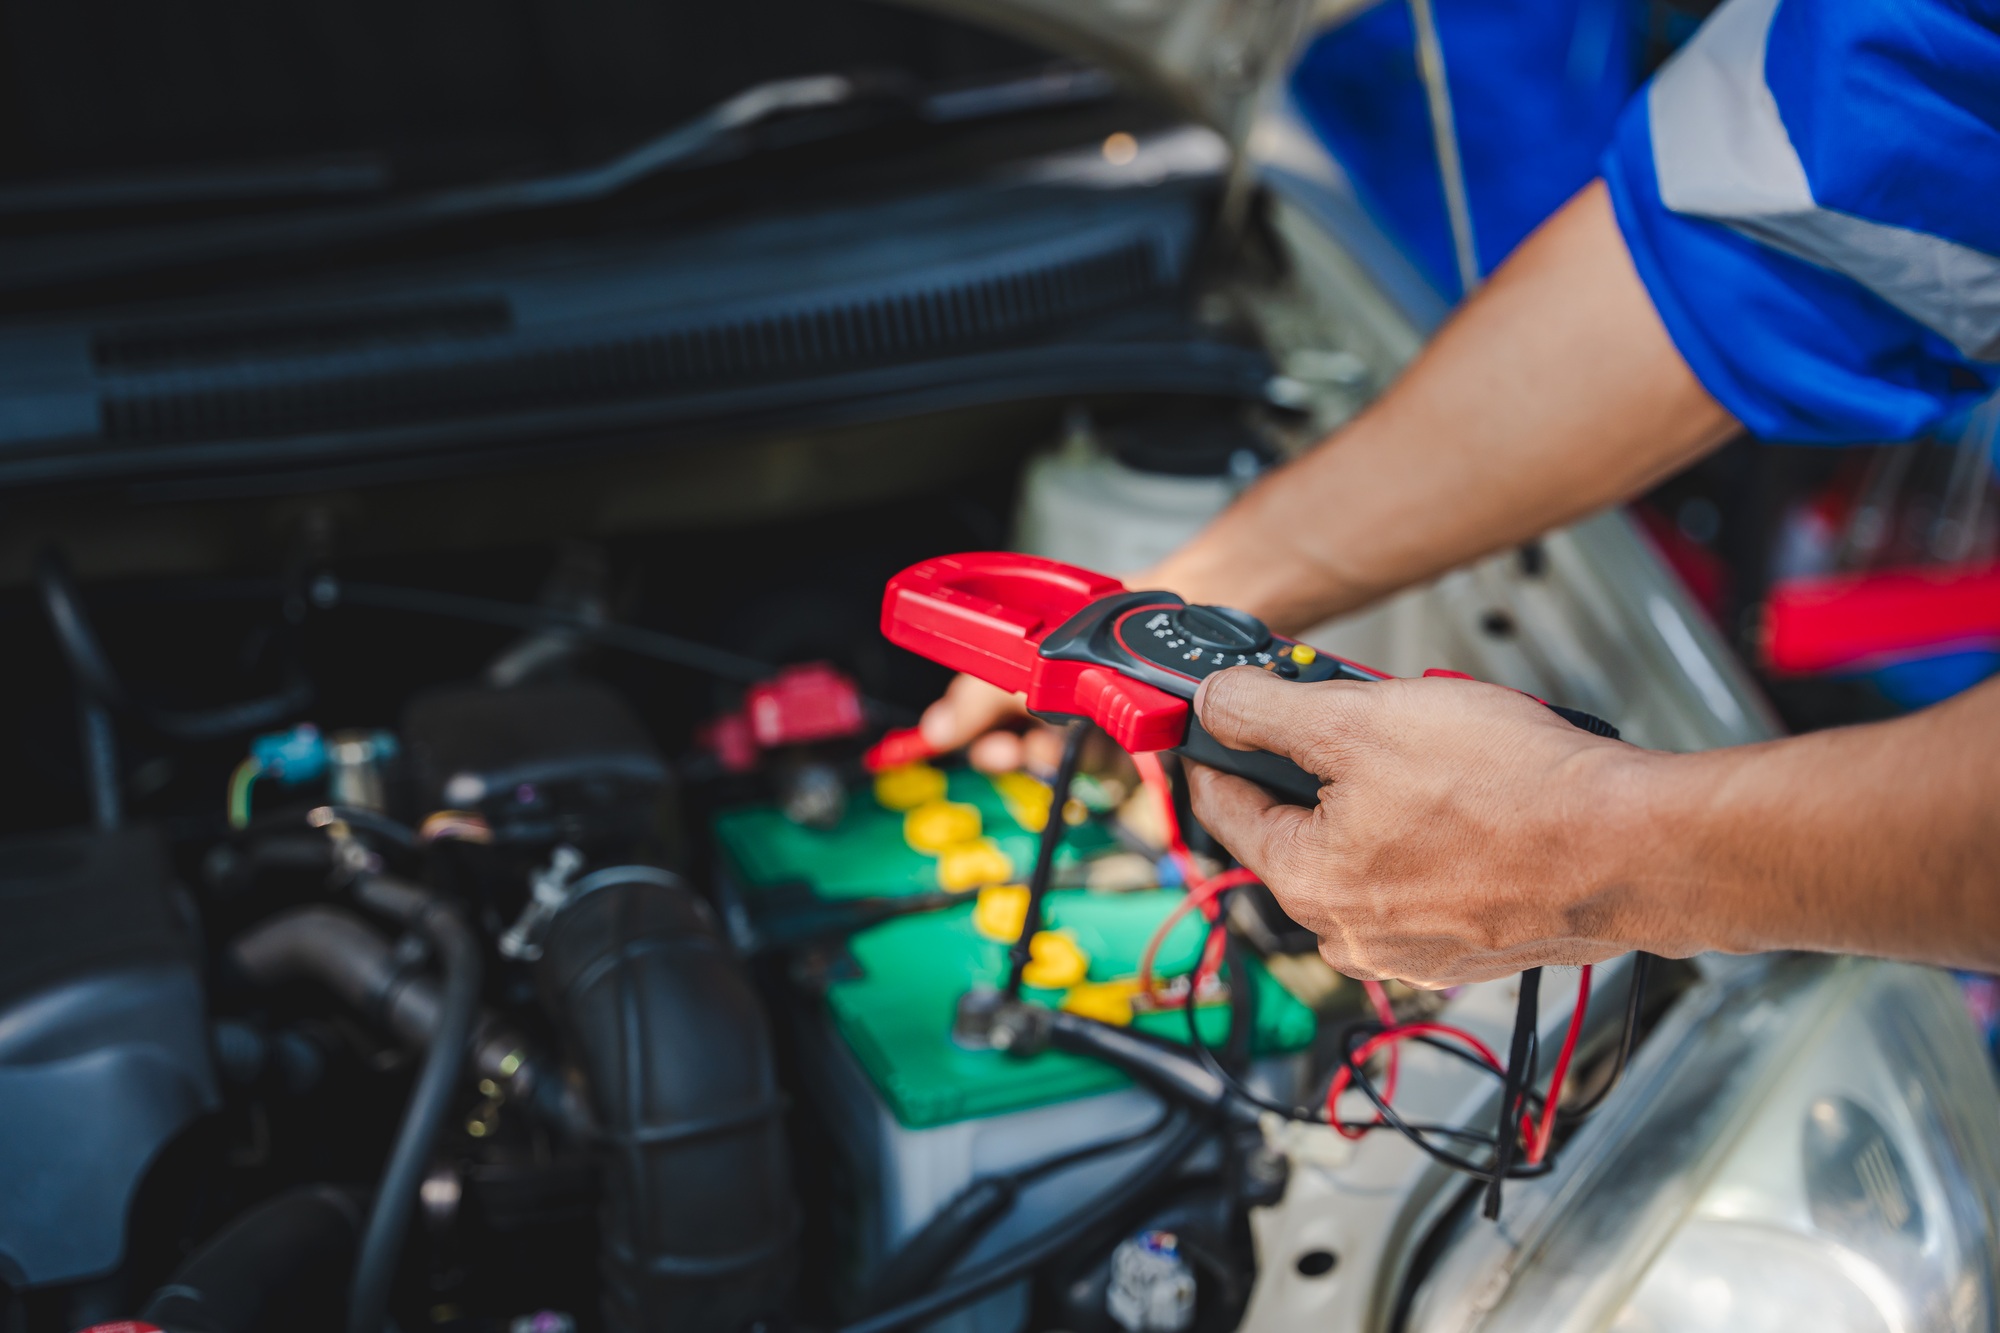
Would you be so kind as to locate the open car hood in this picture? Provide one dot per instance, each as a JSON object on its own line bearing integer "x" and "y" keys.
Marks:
{"x": 1212, "y": 59}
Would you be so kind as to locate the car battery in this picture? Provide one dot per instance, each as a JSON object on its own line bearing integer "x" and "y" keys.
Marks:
{"x": 918, "y": 1116}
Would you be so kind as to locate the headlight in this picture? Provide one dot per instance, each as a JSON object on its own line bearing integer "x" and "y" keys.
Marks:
{"x": 1813, "y": 1146}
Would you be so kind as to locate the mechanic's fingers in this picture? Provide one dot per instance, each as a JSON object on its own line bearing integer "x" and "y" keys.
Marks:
{"x": 995, "y": 752}
{"x": 1042, "y": 748}
{"x": 1258, "y": 830}
{"x": 969, "y": 708}
{"x": 1249, "y": 709}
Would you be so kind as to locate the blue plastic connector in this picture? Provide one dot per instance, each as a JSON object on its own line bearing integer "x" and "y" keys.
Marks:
{"x": 291, "y": 757}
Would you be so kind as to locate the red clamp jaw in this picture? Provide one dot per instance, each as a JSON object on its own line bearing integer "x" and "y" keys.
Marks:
{"x": 987, "y": 613}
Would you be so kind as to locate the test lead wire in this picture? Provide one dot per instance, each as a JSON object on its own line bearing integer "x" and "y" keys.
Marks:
{"x": 1045, "y": 856}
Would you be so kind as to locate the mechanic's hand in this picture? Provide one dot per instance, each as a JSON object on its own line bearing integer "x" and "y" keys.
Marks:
{"x": 972, "y": 713}
{"x": 1465, "y": 831}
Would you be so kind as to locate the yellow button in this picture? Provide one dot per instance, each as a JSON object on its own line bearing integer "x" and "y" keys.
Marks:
{"x": 971, "y": 864}
{"x": 1304, "y": 655}
{"x": 936, "y": 825}
{"x": 1000, "y": 912}
{"x": 1055, "y": 962}
{"x": 908, "y": 786}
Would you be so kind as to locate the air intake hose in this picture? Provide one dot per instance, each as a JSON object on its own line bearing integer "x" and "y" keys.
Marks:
{"x": 338, "y": 950}
{"x": 661, "y": 1023}
{"x": 282, "y": 1265}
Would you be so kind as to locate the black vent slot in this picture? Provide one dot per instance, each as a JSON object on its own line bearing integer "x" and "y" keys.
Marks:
{"x": 216, "y": 342}
{"x": 809, "y": 340}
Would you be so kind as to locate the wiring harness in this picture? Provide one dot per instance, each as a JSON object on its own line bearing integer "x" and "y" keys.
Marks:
{"x": 1519, "y": 1145}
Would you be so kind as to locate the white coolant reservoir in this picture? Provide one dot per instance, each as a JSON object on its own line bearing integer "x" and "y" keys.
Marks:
{"x": 1588, "y": 616}
{"x": 1085, "y": 505}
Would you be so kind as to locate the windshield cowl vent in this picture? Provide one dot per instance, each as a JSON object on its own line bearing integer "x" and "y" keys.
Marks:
{"x": 260, "y": 337}
{"x": 438, "y": 380}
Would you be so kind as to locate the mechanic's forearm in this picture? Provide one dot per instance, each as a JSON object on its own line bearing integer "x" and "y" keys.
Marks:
{"x": 1882, "y": 840}
{"x": 1553, "y": 392}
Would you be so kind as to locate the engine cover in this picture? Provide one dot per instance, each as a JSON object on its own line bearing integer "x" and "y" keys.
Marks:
{"x": 559, "y": 760}
{"x": 103, "y": 1043}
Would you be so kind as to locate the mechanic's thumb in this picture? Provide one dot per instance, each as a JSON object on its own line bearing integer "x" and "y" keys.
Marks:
{"x": 1247, "y": 708}
{"x": 968, "y": 710}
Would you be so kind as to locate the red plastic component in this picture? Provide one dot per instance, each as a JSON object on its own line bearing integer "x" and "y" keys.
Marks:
{"x": 728, "y": 738}
{"x": 1138, "y": 716}
{"x": 986, "y": 614}
{"x": 814, "y": 702}
{"x": 903, "y": 746}
{"x": 123, "y": 1326}
{"x": 1826, "y": 623}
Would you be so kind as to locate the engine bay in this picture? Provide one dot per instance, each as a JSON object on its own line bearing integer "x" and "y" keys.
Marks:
{"x": 463, "y": 861}
{"x": 285, "y": 842}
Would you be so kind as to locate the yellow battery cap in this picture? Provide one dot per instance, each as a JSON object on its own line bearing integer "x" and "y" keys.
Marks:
{"x": 1304, "y": 654}
{"x": 971, "y": 864}
{"x": 936, "y": 825}
{"x": 1106, "y": 1001}
{"x": 1001, "y": 911}
{"x": 1055, "y": 962}
{"x": 908, "y": 786}
{"x": 1027, "y": 798}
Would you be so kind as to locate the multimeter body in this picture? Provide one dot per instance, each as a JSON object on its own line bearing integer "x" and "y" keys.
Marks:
{"x": 1160, "y": 640}
{"x": 1081, "y": 645}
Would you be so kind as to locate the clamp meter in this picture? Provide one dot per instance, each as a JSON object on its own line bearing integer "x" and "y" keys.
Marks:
{"x": 1082, "y": 645}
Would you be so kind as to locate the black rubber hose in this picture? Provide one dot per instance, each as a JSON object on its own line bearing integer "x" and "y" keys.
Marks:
{"x": 282, "y": 1264}
{"x": 430, "y": 1101}
{"x": 328, "y": 592}
{"x": 665, "y": 1032}
{"x": 938, "y": 1244}
{"x": 74, "y": 635}
{"x": 1032, "y": 1254}
{"x": 101, "y": 769}
{"x": 1168, "y": 1070}
{"x": 336, "y": 949}
{"x": 231, "y": 719}
{"x": 98, "y": 680}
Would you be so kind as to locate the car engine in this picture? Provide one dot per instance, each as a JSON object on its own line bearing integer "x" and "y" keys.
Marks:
{"x": 504, "y": 964}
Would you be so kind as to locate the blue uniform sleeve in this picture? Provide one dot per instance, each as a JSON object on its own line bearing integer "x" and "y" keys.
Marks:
{"x": 1823, "y": 258}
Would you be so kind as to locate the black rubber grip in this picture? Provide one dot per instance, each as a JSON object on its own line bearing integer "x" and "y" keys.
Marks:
{"x": 1274, "y": 772}
{"x": 1590, "y": 722}
{"x": 1292, "y": 784}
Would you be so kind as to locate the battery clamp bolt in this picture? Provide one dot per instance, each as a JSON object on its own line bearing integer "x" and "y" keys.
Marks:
{"x": 549, "y": 892}
{"x": 351, "y": 857}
